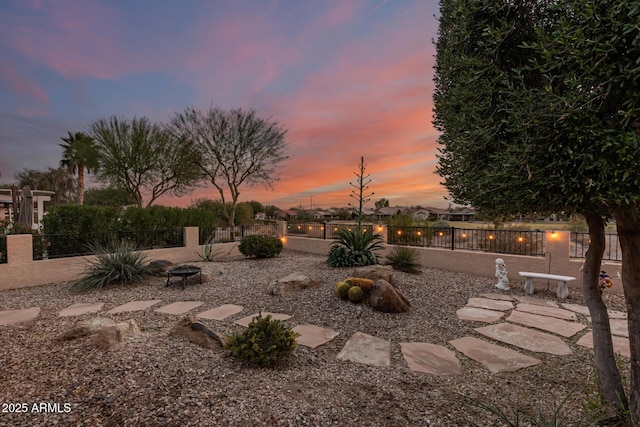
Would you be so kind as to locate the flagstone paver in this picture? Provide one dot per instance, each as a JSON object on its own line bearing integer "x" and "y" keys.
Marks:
{"x": 581, "y": 309}
{"x": 494, "y": 357}
{"x": 526, "y": 338}
{"x": 479, "y": 314}
{"x": 82, "y": 308}
{"x": 366, "y": 349}
{"x": 542, "y": 310}
{"x": 430, "y": 358}
{"x": 617, "y": 314}
{"x": 134, "y": 306}
{"x": 221, "y": 312}
{"x": 490, "y": 304}
{"x": 179, "y": 307}
{"x": 620, "y": 344}
{"x": 619, "y": 327}
{"x": 274, "y": 316}
{"x": 537, "y": 301}
{"x": 9, "y": 317}
{"x": 314, "y": 336}
{"x": 549, "y": 324}
{"x": 500, "y": 297}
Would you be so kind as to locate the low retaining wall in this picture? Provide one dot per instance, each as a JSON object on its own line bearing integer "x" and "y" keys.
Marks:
{"x": 22, "y": 271}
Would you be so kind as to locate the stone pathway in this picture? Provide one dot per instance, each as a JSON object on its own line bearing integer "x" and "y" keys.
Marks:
{"x": 527, "y": 323}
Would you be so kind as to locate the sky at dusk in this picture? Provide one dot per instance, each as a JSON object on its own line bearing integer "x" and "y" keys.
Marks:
{"x": 347, "y": 78}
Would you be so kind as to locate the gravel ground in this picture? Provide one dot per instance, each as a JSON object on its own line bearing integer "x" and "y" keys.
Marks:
{"x": 156, "y": 379}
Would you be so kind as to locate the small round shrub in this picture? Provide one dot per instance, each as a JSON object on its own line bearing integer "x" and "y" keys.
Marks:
{"x": 342, "y": 290}
{"x": 260, "y": 246}
{"x": 265, "y": 342}
{"x": 356, "y": 294}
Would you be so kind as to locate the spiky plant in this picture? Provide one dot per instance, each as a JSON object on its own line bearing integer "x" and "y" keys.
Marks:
{"x": 355, "y": 248}
{"x": 114, "y": 263}
{"x": 405, "y": 259}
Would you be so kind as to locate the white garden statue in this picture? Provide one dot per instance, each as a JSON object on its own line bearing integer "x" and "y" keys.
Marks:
{"x": 501, "y": 274}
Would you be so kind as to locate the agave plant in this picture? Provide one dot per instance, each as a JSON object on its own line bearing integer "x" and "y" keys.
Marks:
{"x": 115, "y": 263}
{"x": 355, "y": 248}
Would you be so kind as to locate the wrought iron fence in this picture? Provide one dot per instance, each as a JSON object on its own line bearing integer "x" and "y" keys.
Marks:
{"x": 68, "y": 245}
{"x": 580, "y": 244}
{"x": 514, "y": 242}
{"x": 320, "y": 230}
{"x": 230, "y": 234}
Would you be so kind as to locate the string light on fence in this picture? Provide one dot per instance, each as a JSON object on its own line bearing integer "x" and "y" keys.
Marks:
{"x": 491, "y": 237}
{"x": 520, "y": 239}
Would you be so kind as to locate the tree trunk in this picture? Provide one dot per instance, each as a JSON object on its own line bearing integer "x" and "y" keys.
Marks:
{"x": 80, "y": 184}
{"x": 610, "y": 382}
{"x": 628, "y": 225}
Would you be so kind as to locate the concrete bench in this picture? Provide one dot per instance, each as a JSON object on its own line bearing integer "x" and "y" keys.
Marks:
{"x": 562, "y": 291}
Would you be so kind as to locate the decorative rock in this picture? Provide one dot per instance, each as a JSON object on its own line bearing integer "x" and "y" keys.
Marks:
{"x": 198, "y": 334}
{"x": 388, "y": 299}
{"x": 111, "y": 336}
{"x": 159, "y": 267}
{"x": 206, "y": 278}
{"x": 86, "y": 327}
{"x": 293, "y": 283}
{"x": 375, "y": 272}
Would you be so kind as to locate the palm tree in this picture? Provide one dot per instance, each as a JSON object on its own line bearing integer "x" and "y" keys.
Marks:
{"x": 79, "y": 153}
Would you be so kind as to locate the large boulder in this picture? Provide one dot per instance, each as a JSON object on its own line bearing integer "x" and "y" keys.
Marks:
{"x": 111, "y": 336}
{"x": 384, "y": 297}
{"x": 86, "y": 327}
{"x": 375, "y": 272}
{"x": 198, "y": 334}
{"x": 293, "y": 283}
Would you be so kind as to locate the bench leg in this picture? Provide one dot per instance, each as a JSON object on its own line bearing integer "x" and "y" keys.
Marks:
{"x": 528, "y": 286}
{"x": 562, "y": 291}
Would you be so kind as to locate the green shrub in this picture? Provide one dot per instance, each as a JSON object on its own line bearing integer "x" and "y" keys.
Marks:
{"x": 405, "y": 259}
{"x": 115, "y": 263}
{"x": 354, "y": 248}
{"x": 440, "y": 224}
{"x": 260, "y": 246}
{"x": 266, "y": 342}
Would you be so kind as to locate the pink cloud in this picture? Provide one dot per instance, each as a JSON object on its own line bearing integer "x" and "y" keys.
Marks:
{"x": 21, "y": 84}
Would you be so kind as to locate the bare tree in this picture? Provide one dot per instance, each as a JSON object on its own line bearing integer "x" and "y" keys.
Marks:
{"x": 232, "y": 148}
{"x": 143, "y": 158}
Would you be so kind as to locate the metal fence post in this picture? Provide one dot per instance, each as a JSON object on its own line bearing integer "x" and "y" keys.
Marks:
{"x": 453, "y": 238}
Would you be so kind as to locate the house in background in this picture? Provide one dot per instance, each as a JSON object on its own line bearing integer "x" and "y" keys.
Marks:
{"x": 39, "y": 208}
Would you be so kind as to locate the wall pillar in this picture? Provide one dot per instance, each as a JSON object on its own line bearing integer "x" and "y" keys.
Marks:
{"x": 19, "y": 249}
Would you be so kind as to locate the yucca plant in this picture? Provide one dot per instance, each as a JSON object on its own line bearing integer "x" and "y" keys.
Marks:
{"x": 355, "y": 248}
{"x": 115, "y": 263}
{"x": 405, "y": 259}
